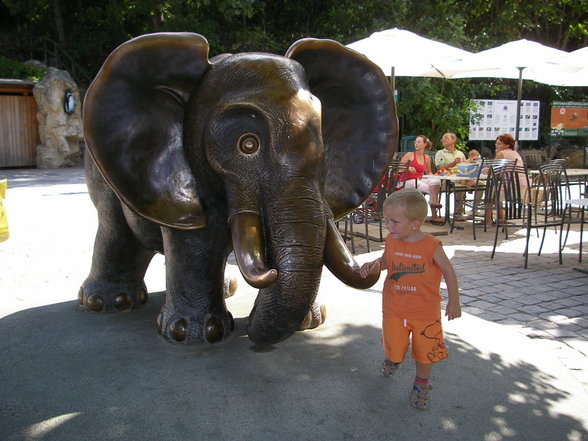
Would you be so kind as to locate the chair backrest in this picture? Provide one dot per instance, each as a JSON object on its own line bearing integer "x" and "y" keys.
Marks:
{"x": 552, "y": 185}
{"x": 431, "y": 154}
{"x": 392, "y": 181}
{"x": 565, "y": 190}
{"x": 516, "y": 193}
{"x": 533, "y": 158}
{"x": 398, "y": 156}
{"x": 498, "y": 179}
{"x": 395, "y": 176}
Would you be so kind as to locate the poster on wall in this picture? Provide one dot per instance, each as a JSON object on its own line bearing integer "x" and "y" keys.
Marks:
{"x": 491, "y": 118}
{"x": 569, "y": 118}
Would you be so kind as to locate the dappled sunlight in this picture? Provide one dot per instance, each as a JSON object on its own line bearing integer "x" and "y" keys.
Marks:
{"x": 44, "y": 428}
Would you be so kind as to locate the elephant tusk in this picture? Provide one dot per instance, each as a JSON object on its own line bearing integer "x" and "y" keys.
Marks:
{"x": 341, "y": 263}
{"x": 246, "y": 232}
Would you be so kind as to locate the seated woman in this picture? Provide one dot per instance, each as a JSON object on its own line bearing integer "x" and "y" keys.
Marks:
{"x": 419, "y": 164}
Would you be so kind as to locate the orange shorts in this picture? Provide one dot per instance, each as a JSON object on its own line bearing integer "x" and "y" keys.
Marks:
{"x": 427, "y": 339}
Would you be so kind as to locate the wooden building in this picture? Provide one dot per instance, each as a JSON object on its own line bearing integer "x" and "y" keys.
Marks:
{"x": 19, "y": 131}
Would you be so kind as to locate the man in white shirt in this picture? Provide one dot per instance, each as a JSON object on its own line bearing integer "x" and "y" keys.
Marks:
{"x": 449, "y": 157}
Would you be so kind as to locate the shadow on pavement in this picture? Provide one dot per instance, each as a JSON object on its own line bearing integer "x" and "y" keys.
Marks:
{"x": 69, "y": 374}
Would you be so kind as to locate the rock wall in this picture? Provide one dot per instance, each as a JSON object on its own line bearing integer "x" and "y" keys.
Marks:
{"x": 61, "y": 131}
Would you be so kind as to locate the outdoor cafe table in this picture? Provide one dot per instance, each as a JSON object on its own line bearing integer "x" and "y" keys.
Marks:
{"x": 576, "y": 176}
{"x": 450, "y": 181}
{"x": 571, "y": 172}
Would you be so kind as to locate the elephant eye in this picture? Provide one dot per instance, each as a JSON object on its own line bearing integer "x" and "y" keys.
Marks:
{"x": 248, "y": 143}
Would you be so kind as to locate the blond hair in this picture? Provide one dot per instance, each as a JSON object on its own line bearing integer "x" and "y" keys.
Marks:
{"x": 475, "y": 152}
{"x": 411, "y": 201}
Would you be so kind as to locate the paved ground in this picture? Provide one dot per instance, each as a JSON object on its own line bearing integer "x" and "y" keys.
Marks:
{"x": 517, "y": 367}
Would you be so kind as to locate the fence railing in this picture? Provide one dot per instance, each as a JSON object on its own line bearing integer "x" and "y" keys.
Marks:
{"x": 56, "y": 56}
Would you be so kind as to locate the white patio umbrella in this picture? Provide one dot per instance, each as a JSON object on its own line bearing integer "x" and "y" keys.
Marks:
{"x": 570, "y": 70}
{"x": 520, "y": 59}
{"x": 401, "y": 53}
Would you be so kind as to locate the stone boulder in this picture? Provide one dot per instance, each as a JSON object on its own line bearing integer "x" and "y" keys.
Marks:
{"x": 61, "y": 131}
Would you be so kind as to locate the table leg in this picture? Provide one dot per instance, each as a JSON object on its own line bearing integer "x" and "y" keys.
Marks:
{"x": 581, "y": 233}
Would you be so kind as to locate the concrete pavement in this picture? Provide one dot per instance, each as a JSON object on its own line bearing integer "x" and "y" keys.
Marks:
{"x": 516, "y": 370}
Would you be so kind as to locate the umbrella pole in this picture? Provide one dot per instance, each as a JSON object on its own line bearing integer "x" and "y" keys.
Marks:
{"x": 393, "y": 80}
{"x": 519, "y": 96}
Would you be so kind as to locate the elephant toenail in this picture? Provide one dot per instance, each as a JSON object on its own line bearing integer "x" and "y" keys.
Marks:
{"x": 81, "y": 296}
{"x": 123, "y": 302}
{"x": 214, "y": 330}
{"x": 94, "y": 302}
{"x": 160, "y": 322}
{"x": 143, "y": 297}
{"x": 179, "y": 329}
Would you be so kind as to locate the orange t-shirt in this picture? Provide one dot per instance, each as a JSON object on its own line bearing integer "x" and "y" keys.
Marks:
{"x": 411, "y": 288}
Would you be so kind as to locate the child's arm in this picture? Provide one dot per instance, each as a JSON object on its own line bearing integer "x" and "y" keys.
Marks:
{"x": 367, "y": 267}
{"x": 453, "y": 309}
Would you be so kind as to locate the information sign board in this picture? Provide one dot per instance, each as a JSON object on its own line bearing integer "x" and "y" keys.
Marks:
{"x": 492, "y": 118}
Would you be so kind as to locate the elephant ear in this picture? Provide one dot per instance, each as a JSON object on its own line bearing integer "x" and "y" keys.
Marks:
{"x": 133, "y": 122}
{"x": 359, "y": 123}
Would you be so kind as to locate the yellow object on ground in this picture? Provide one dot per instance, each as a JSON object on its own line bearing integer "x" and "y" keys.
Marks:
{"x": 3, "y": 220}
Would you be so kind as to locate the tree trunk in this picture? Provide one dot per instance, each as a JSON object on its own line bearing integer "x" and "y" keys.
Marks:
{"x": 59, "y": 23}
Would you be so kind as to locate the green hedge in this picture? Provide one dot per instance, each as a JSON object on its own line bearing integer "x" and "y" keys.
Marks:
{"x": 16, "y": 70}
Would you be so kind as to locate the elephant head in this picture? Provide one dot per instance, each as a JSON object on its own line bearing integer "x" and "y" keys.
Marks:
{"x": 281, "y": 147}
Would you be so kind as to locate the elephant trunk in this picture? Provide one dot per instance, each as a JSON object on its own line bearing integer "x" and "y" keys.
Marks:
{"x": 295, "y": 245}
{"x": 341, "y": 263}
{"x": 299, "y": 238}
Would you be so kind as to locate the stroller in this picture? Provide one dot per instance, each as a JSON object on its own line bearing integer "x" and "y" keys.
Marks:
{"x": 393, "y": 180}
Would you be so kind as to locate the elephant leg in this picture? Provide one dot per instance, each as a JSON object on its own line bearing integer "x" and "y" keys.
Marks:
{"x": 115, "y": 282}
{"x": 195, "y": 309}
{"x": 119, "y": 262}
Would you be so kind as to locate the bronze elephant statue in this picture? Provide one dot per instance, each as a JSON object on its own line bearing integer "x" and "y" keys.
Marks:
{"x": 252, "y": 153}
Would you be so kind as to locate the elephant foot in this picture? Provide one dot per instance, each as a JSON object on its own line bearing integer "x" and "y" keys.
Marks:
{"x": 110, "y": 297}
{"x": 182, "y": 328}
{"x": 315, "y": 317}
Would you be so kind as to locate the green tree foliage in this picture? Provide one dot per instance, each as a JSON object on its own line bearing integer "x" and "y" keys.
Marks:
{"x": 433, "y": 106}
{"x": 558, "y": 23}
{"x": 16, "y": 70}
{"x": 90, "y": 29}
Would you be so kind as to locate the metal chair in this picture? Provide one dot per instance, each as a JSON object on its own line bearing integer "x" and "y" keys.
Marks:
{"x": 570, "y": 220}
{"x": 479, "y": 190}
{"x": 544, "y": 208}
